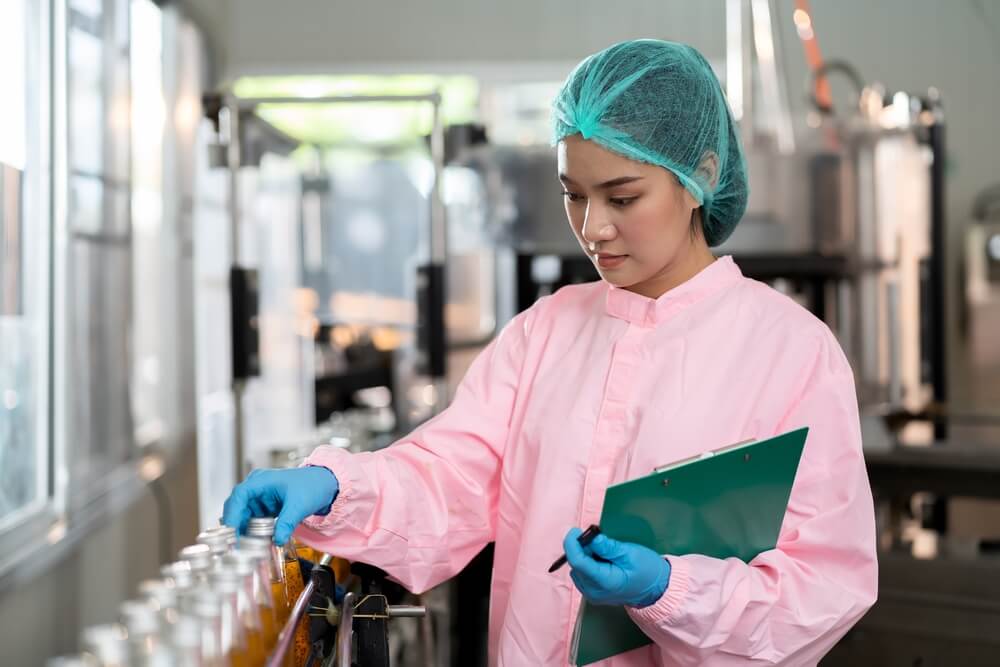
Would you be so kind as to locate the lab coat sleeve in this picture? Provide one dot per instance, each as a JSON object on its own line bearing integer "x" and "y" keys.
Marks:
{"x": 421, "y": 508}
{"x": 791, "y": 604}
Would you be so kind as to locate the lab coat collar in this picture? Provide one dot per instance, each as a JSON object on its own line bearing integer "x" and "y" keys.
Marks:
{"x": 646, "y": 312}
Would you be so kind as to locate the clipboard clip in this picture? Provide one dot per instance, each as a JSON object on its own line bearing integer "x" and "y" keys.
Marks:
{"x": 704, "y": 455}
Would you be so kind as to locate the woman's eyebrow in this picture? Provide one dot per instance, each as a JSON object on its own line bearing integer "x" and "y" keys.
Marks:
{"x": 621, "y": 180}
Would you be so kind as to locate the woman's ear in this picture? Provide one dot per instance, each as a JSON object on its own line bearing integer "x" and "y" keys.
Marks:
{"x": 708, "y": 170}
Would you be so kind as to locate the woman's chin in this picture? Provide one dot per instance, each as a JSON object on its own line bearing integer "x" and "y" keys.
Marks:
{"x": 618, "y": 279}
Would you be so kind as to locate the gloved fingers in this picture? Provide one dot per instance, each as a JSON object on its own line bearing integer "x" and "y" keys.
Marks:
{"x": 608, "y": 549}
{"x": 579, "y": 560}
{"x": 236, "y": 511}
{"x": 575, "y": 553}
{"x": 288, "y": 520}
{"x": 259, "y": 507}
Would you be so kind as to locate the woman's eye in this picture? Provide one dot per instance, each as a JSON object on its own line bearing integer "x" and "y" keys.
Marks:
{"x": 572, "y": 196}
{"x": 622, "y": 201}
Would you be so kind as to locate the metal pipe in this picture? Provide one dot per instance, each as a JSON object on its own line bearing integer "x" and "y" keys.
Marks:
{"x": 277, "y": 657}
{"x": 737, "y": 71}
{"x": 345, "y": 632}
{"x": 936, "y": 263}
{"x": 439, "y": 227}
{"x": 894, "y": 343}
{"x": 406, "y": 611}
{"x": 233, "y": 159}
{"x": 775, "y": 94}
{"x": 252, "y": 102}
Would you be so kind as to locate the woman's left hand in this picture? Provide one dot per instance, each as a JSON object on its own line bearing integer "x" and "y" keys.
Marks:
{"x": 616, "y": 573}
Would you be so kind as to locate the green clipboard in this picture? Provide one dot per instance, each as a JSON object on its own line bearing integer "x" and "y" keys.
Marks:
{"x": 724, "y": 504}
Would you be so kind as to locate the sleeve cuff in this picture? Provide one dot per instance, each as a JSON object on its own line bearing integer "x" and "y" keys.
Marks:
{"x": 666, "y": 609}
{"x": 348, "y": 472}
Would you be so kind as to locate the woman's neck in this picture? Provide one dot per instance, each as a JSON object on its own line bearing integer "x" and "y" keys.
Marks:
{"x": 678, "y": 272}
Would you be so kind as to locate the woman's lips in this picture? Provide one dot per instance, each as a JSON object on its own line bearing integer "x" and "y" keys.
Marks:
{"x": 609, "y": 261}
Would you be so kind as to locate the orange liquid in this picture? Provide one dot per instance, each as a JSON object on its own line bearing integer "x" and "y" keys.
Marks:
{"x": 281, "y": 609}
{"x": 269, "y": 629}
{"x": 293, "y": 579}
{"x": 300, "y": 641}
{"x": 238, "y": 658}
{"x": 256, "y": 651}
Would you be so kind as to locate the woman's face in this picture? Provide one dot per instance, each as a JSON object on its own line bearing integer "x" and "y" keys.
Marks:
{"x": 632, "y": 219}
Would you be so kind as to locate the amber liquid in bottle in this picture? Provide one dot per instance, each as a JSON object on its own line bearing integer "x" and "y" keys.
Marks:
{"x": 300, "y": 641}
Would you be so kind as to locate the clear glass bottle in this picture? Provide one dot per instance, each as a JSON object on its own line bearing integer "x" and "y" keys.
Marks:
{"x": 142, "y": 621}
{"x": 258, "y": 550}
{"x": 220, "y": 539}
{"x": 235, "y": 622}
{"x": 178, "y": 574}
{"x": 186, "y": 643}
{"x": 108, "y": 644}
{"x": 205, "y": 605}
{"x": 244, "y": 568}
{"x": 263, "y": 529}
{"x": 162, "y": 595}
{"x": 199, "y": 558}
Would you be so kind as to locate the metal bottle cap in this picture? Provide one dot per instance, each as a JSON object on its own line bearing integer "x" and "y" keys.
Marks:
{"x": 218, "y": 541}
{"x": 199, "y": 556}
{"x": 261, "y": 527}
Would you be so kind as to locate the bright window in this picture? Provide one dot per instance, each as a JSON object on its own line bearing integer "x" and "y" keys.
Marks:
{"x": 24, "y": 264}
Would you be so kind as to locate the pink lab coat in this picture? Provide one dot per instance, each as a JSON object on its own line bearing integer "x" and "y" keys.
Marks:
{"x": 595, "y": 385}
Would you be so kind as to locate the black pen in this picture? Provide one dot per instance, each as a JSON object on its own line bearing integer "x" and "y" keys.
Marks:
{"x": 586, "y": 537}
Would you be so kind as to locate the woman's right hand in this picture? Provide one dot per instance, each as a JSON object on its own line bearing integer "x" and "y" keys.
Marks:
{"x": 290, "y": 494}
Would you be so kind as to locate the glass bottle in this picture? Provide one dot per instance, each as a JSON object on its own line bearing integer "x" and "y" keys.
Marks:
{"x": 145, "y": 643}
{"x": 178, "y": 574}
{"x": 205, "y": 605}
{"x": 257, "y": 556}
{"x": 199, "y": 558}
{"x": 262, "y": 528}
{"x": 185, "y": 642}
{"x": 220, "y": 540}
{"x": 239, "y": 618}
{"x": 163, "y": 597}
{"x": 107, "y": 644}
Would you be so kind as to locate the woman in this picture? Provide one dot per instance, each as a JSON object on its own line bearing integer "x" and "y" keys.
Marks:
{"x": 673, "y": 353}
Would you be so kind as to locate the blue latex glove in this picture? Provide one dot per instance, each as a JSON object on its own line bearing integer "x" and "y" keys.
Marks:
{"x": 616, "y": 573}
{"x": 290, "y": 494}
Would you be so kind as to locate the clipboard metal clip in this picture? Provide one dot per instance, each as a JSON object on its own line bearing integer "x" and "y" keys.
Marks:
{"x": 703, "y": 455}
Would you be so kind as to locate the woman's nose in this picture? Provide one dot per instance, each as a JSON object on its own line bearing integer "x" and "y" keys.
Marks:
{"x": 595, "y": 231}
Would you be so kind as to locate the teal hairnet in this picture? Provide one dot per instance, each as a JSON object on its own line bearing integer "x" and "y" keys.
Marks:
{"x": 659, "y": 102}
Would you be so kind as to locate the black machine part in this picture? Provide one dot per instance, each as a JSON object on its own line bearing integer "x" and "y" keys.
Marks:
{"x": 363, "y": 635}
{"x": 431, "y": 334}
{"x": 322, "y": 636}
{"x": 243, "y": 299}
